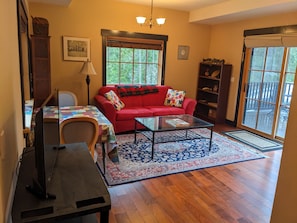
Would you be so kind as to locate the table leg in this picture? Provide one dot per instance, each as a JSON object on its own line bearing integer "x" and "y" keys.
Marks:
{"x": 104, "y": 216}
{"x": 135, "y": 130}
{"x": 103, "y": 157}
{"x": 153, "y": 145}
{"x": 210, "y": 140}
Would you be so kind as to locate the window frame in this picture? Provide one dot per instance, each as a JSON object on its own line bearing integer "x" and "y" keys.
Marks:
{"x": 123, "y": 34}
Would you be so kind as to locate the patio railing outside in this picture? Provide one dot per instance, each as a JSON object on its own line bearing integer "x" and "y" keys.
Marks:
{"x": 260, "y": 101}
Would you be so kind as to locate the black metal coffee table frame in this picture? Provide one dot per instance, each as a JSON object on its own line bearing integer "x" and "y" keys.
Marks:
{"x": 158, "y": 124}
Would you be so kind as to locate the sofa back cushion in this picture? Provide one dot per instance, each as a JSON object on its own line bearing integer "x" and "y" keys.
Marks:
{"x": 129, "y": 101}
{"x": 149, "y": 96}
{"x": 155, "y": 99}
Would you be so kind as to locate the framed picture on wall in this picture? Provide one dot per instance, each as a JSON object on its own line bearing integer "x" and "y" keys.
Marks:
{"x": 183, "y": 52}
{"x": 76, "y": 49}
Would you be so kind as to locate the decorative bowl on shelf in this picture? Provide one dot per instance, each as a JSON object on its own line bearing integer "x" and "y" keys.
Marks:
{"x": 216, "y": 73}
{"x": 206, "y": 89}
{"x": 213, "y": 104}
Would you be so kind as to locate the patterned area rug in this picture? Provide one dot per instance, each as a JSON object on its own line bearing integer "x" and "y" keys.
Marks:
{"x": 256, "y": 141}
{"x": 135, "y": 161}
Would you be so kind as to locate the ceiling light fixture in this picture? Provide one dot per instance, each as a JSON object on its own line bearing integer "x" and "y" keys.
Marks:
{"x": 141, "y": 20}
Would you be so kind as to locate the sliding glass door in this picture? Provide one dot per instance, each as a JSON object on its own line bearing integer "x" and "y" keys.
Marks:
{"x": 267, "y": 91}
{"x": 286, "y": 93}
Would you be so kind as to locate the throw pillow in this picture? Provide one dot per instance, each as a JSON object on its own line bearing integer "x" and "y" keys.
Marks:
{"x": 174, "y": 98}
{"x": 114, "y": 99}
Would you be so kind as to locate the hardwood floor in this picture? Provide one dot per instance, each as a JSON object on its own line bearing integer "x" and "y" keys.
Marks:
{"x": 241, "y": 192}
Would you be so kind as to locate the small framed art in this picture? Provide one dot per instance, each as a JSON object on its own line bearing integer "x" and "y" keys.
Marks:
{"x": 76, "y": 49}
{"x": 183, "y": 52}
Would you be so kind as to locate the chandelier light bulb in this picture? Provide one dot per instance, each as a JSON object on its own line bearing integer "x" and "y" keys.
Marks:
{"x": 160, "y": 21}
{"x": 140, "y": 19}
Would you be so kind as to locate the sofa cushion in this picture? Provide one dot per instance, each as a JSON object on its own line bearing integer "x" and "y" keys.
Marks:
{"x": 132, "y": 101}
{"x": 165, "y": 110}
{"x": 105, "y": 89}
{"x": 133, "y": 112}
{"x": 155, "y": 99}
{"x": 114, "y": 99}
{"x": 174, "y": 98}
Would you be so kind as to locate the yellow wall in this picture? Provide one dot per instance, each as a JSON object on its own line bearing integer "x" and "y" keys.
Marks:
{"x": 83, "y": 19}
{"x": 10, "y": 113}
{"x": 86, "y": 20}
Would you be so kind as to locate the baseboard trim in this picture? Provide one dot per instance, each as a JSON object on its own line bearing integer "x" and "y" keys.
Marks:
{"x": 8, "y": 217}
{"x": 229, "y": 122}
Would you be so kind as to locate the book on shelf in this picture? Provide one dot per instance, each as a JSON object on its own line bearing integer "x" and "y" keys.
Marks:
{"x": 176, "y": 122}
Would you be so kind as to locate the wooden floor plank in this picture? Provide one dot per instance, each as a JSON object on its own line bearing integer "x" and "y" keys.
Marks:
{"x": 241, "y": 192}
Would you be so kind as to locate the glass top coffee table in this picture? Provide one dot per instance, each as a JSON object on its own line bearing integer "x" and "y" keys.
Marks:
{"x": 180, "y": 124}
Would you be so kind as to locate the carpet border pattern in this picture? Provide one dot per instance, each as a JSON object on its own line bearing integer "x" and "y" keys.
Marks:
{"x": 126, "y": 171}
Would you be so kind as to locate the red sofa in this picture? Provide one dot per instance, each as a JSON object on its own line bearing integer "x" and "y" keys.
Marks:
{"x": 146, "y": 104}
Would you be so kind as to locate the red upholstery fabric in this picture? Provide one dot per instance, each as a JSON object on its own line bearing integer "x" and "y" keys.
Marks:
{"x": 165, "y": 110}
{"x": 133, "y": 112}
{"x": 144, "y": 105}
{"x": 132, "y": 101}
{"x": 155, "y": 98}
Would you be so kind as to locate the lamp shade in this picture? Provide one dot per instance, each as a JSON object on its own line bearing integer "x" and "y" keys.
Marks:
{"x": 160, "y": 21}
{"x": 140, "y": 19}
{"x": 88, "y": 68}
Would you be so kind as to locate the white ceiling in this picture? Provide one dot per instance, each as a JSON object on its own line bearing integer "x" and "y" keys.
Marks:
{"x": 183, "y": 5}
{"x": 211, "y": 11}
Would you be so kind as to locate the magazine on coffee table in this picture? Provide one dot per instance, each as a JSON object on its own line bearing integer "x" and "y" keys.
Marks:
{"x": 177, "y": 122}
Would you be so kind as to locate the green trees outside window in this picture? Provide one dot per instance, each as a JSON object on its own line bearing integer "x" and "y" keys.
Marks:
{"x": 132, "y": 66}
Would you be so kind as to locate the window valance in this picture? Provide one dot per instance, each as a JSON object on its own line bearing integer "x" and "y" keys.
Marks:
{"x": 273, "y": 40}
{"x": 114, "y": 41}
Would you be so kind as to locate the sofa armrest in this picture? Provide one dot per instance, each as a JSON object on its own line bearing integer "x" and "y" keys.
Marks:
{"x": 106, "y": 107}
{"x": 189, "y": 105}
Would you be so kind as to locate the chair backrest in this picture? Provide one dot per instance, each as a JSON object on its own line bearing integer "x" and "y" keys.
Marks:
{"x": 67, "y": 98}
{"x": 80, "y": 129}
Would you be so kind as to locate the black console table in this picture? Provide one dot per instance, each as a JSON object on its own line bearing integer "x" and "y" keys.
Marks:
{"x": 76, "y": 182}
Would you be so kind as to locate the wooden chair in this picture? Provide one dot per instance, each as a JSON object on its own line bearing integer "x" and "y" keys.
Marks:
{"x": 67, "y": 98}
{"x": 80, "y": 129}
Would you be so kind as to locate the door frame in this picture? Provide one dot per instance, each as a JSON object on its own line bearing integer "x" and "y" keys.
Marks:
{"x": 247, "y": 61}
{"x": 253, "y": 32}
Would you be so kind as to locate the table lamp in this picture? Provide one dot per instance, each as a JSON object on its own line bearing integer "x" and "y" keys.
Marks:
{"x": 88, "y": 69}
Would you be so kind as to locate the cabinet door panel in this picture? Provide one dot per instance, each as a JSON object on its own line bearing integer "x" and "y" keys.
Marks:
{"x": 41, "y": 68}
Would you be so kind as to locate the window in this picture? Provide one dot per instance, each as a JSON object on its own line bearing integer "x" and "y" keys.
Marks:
{"x": 133, "y": 58}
